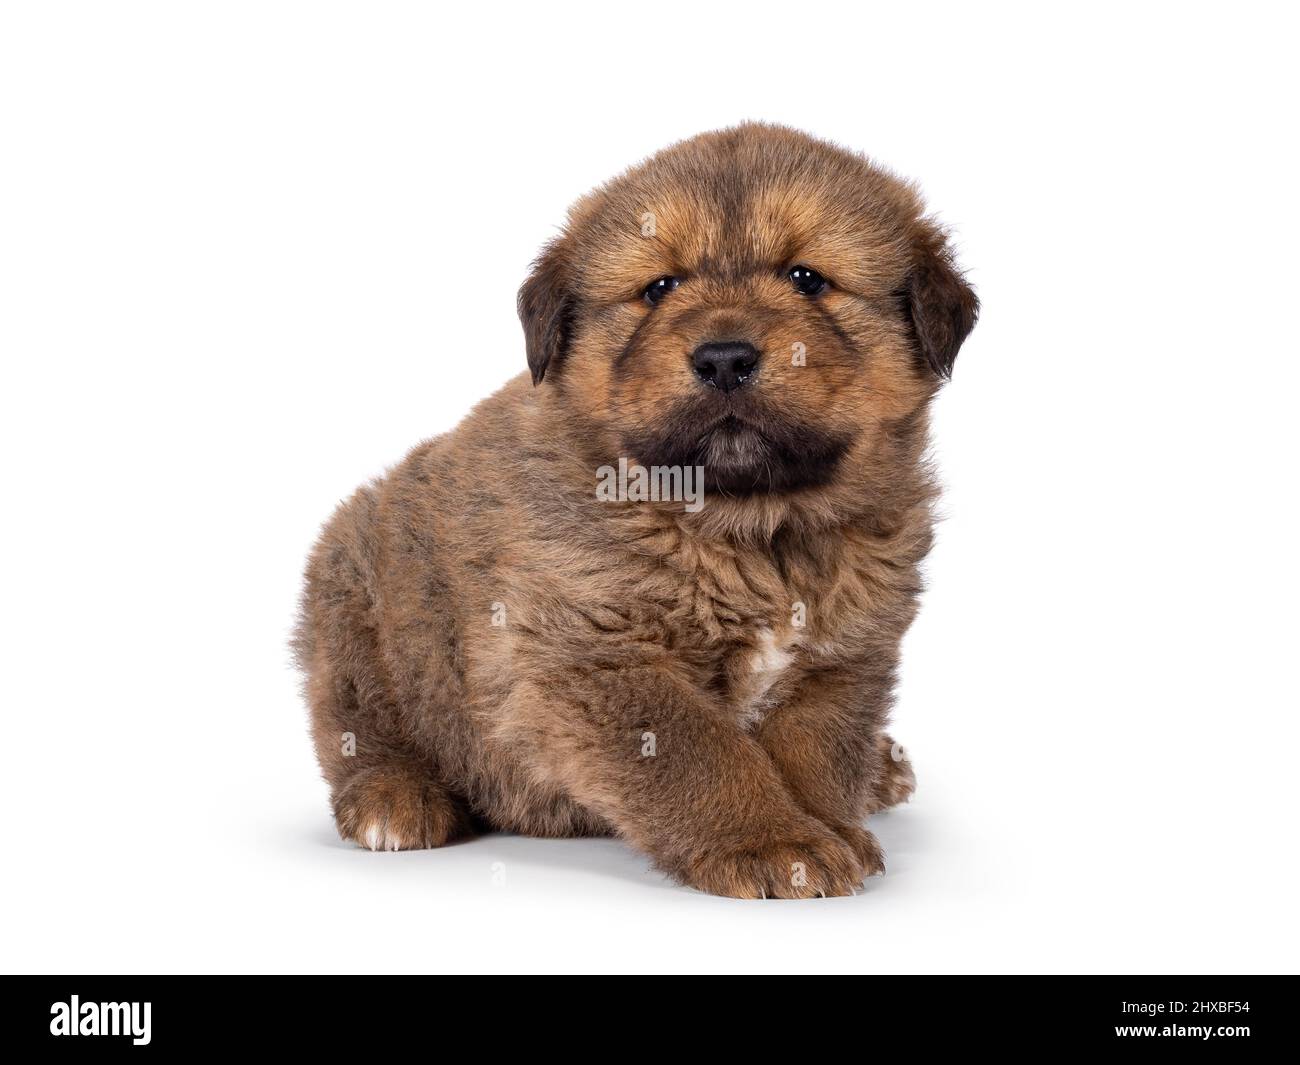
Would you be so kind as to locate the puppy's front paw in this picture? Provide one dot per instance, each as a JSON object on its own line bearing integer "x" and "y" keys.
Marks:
{"x": 799, "y": 867}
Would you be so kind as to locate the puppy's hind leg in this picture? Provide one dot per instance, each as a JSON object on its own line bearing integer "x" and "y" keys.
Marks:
{"x": 398, "y": 806}
{"x": 384, "y": 796}
{"x": 384, "y": 791}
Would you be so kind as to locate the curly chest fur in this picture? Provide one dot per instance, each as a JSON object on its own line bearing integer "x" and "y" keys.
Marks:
{"x": 755, "y": 622}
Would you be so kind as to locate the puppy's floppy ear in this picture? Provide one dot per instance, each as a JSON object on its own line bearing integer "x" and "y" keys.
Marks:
{"x": 546, "y": 309}
{"x": 943, "y": 308}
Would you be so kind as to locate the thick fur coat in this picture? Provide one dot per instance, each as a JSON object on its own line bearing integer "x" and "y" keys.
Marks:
{"x": 489, "y": 645}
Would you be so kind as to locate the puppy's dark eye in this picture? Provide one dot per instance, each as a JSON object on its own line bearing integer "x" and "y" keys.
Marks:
{"x": 807, "y": 281}
{"x": 657, "y": 290}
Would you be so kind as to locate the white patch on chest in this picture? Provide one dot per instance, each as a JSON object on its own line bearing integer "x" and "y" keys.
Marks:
{"x": 766, "y": 664}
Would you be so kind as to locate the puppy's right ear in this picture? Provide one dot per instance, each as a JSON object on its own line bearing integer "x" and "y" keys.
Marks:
{"x": 546, "y": 309}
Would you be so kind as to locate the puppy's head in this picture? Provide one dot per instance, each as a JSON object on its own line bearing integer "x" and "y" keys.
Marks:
{"x": 754, "y": 301}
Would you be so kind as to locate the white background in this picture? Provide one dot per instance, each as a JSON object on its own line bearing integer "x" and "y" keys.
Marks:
{"x": 250, "y": 253}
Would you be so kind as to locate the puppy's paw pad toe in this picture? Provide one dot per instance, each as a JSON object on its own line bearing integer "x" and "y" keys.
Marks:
{"x": 866, "y": 847}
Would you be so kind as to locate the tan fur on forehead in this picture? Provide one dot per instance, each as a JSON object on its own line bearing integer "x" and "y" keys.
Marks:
{"x": 752, "y": 197}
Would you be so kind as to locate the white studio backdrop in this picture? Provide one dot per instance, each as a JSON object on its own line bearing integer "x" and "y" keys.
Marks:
{"x": 250, "y": 253}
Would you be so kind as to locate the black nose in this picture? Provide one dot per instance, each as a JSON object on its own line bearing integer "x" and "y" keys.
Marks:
{"x": 726, "y": 365}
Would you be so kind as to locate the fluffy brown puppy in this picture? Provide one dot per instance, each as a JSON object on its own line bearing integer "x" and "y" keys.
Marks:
{"x": 489, "y": 640}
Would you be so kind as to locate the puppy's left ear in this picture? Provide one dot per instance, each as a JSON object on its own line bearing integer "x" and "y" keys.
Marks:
{"x": 546, "y": 309}
{"x": 943, "y": 307}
